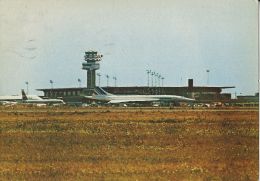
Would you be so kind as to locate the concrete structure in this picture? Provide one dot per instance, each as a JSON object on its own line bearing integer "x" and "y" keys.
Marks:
{"x": 92, "y": 59}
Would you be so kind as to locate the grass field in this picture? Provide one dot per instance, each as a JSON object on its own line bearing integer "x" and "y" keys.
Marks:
{"x": 128, "y": 144}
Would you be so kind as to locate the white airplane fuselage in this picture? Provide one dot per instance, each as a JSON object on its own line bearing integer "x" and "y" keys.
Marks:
{"x": 102, "y": 95}
{"x": 137, "y": 98}
{"x": 19, "y": 98}
{"x": 45, "y": 101}
{"x": 33, "y": 99}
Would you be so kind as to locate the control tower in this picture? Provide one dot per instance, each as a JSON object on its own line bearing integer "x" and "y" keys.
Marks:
{"x": 92, "y": 59}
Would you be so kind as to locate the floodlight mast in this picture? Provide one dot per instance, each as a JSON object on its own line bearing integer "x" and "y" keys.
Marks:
{"x": 107, "y": 76}
{"x": 99, "y": 75}
{"x": 27, "y": 87}
{"x": 159, "y": 77}
{"x": 155, "y": 79}
{"x": 92, "y": 59}
{"x": 115, "y": 80}
{"x": 148, "y": 79}
{"x": 51, "y": 82}
{"x": 162, "y": 80}
{"x": 79, "y": 81}
{"x": 207, "y": 76}
{"x": 152, "y": 73}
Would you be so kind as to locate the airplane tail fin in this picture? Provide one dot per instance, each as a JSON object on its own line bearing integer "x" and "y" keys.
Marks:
{"x": 100, "y": 91}
{"x": 24, "y": 97}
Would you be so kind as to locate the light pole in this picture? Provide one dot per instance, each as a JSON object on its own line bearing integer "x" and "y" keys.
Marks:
{"x": 148, "y": 72}
{"x": 159, "y": 89}
{"x": 155, "y": 80}
{"x": 159, "y": 77}
{"x": 162, "y": 80}
{"x": 107, "y": 76}
{"x": 207, "y": 76}
{"x": 51, "y": 82}
{"x": 27, "y": 86}
{"x": 115, "y": 80}
{"x": 152, "y": 73}
{"x": 98, "y": 74}
{"x": 79, "y": 81}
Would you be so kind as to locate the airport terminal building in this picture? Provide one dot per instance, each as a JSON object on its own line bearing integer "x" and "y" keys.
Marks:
{"x": 91, "y": 64}
{"x": 200, "y": 93}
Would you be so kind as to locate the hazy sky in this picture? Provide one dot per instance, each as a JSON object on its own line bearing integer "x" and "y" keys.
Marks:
{"x": 43, "y": 40}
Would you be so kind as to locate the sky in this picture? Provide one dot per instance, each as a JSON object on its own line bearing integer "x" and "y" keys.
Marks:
{"x": 46, "y": 40}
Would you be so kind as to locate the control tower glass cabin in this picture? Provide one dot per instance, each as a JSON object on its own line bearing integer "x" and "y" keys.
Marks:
{"x": 92, "y": 59}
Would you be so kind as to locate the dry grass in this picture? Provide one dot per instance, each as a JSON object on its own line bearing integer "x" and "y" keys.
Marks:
{"x": 128, "y": 144}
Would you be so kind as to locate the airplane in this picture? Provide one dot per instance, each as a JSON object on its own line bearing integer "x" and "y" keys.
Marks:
{"x": 102, "y": 95}
{"x": 7, "y": 103}
{"x": 34, "y": 99}
{"x": 14, "y": 98}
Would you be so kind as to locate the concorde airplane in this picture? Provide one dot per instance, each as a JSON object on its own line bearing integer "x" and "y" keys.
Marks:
{"x": 102, "y": 95}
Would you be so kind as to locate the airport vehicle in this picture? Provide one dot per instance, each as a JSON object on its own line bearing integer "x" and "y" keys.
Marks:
{"x": 102, "y": 95}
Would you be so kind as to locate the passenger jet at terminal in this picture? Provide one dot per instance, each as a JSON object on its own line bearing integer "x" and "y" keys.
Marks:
{"x": 33, "y": 99}
{"x": 102, "y": 95}
{"x": 38, "y": 100}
